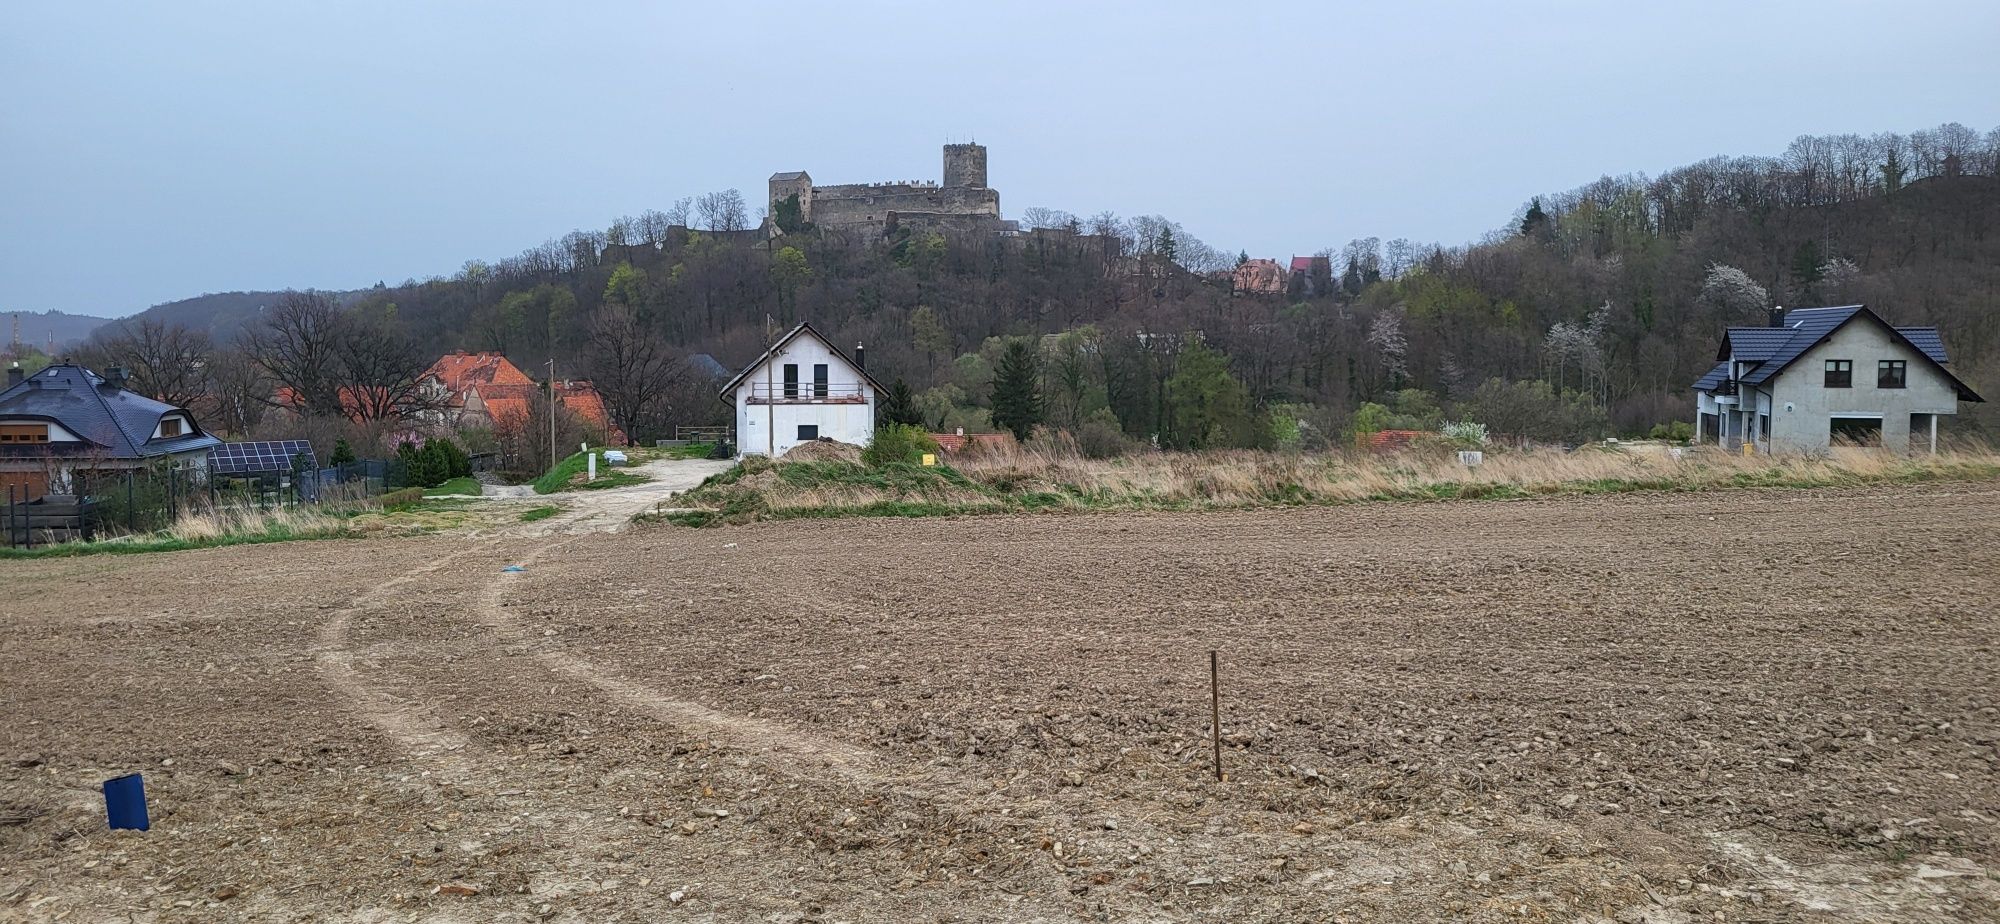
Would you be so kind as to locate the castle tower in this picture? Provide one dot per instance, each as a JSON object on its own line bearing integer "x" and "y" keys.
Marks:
{"x": 965, "y": 165}
{"x": 792, "y": 183}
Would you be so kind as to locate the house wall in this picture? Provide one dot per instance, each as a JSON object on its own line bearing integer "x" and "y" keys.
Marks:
{"x": 771, "y": 429}
{"x": 1803, "y": 406}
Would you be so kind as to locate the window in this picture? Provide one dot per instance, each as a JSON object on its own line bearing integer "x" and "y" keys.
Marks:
{"x": 24, "y": 433}
{"x": 1840, "y": 373}
{"x": 791, "y": 380}
{"x": 1764, "y": 427}
{"x": 170, "y": 426}
{"x": 819, "y": 380}
{"x": 1890, "y": 373}
{"x": 808, "y": 432}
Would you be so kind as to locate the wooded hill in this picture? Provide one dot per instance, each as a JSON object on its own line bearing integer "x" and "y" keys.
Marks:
{"x": 1613, "y": 294}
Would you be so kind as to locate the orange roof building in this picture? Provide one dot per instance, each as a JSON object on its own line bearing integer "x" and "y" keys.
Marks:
{"x": 454, "y": 376}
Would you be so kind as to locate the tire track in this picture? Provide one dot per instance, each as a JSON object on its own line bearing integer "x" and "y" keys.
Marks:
{"x": 412, "y": 729}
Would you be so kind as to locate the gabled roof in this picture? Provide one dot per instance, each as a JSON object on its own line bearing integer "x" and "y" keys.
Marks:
{"x": 1305, "y": 264}
{"x": 805, "y": 327}
{"x": 1804, "y": 329}
{"x": 458, "y": 372}
{"x": 115, "y": 422}
{"x": 789, "y": 175}
{"x": 1927, "y": 340}
{"x": 1713, "y": 378}
{"x": 1753, "y": 344}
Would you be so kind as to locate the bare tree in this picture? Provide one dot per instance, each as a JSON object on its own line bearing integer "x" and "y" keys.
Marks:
{"x": 680, "y": 213}
{"x": 652, "y": 227}
{"x": 238, "y": 394}
{"x": 296, "y": 344}
{"x": 168, "y": 362}
{"x": 383, "y": 369}
{"x": 723, "y": 211}
{"x": 1043, "y": 218}
{"x": 633, "y": 369}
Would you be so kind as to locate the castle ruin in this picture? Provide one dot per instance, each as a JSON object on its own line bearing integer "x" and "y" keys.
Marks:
{"x": 963, "y": 202}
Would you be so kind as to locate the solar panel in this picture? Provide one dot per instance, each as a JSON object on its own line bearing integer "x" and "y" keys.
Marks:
{"x": 260, "y": 457}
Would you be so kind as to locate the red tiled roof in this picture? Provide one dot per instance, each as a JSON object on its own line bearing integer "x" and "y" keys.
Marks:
{"x": 1389, "y": 440}
{"x": 510, "y": 405}
{"x": 1302, "y": 264}
{"x": 458, "y": 372}
{"x": 581, "y": 397}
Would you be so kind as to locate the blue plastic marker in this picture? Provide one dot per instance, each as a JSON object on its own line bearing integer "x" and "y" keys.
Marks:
{"x": 125, "y": 802}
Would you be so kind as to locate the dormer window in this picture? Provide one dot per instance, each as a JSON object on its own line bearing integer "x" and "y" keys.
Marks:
{"x": 171, "y": 426}
{"x": 24, "y": 433}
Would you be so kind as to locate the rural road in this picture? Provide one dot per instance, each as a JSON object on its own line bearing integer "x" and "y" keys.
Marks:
{"x": 612, "y": 509}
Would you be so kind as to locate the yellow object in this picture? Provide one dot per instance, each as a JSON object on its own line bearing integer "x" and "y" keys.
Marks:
{"x": 930, "y": 458}
{"x": 1749, "y": 448}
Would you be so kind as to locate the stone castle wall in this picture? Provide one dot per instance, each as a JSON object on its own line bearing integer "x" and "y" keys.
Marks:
{"x": 962, "y": 202}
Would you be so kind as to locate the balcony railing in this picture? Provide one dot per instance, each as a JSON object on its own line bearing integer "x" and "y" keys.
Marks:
{"x": 806, "y": 393}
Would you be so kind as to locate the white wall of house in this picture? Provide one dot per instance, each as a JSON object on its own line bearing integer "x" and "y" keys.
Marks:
{"x": 1803, "y": 407}
{"x": 773, "y": 428}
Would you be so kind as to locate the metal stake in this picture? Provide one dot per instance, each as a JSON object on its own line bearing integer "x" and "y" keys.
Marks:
{"x": 1215, "y": 711}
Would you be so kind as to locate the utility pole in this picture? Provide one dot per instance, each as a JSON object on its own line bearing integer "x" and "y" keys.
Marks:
{"x": 552, "y": 412}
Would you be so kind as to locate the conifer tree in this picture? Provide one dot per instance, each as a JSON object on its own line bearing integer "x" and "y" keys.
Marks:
{"x": 1017, "y": 395}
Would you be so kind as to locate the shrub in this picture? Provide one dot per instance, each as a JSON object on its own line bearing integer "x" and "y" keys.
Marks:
{"x": 1679, "y": 431}
{"x": 1100, "y": 436}
{"x": 343, "y": 454}
{"x": 898, "y": 443}
{"x": 416, "y": 466}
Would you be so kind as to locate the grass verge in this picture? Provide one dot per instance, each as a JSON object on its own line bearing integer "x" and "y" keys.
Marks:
{"x": 1034, "y": 480}
{"x": 464, "y": 484}
{"x": 537, "y": 513}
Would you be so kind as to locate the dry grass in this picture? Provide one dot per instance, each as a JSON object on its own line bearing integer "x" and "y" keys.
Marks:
{"x": 212, "y": 525}
{"x": 1042, "y": 477}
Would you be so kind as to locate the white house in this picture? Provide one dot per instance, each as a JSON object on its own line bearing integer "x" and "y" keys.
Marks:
{"x": 1819, "y": 374}
{"x": 802, "y": 389}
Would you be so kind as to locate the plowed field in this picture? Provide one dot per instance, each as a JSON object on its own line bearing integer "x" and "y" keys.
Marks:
{"x": 1741, "y": 706}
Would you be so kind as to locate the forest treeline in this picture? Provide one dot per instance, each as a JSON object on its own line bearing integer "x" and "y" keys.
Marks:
{"x": 1587, "y": 314}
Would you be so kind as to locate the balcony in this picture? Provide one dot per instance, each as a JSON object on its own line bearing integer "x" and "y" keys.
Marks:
{"x": 806, "y": 393}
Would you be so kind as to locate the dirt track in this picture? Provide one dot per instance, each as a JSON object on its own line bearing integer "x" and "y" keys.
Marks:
{"x": 1770, "y": 706}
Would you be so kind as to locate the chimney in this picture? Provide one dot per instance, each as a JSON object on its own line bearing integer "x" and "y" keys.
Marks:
{"x": 860, "y": 357}
{"x": 1778, "y": 316}
{"x": 14, "y": 374}
{"x": 114, "y": 377}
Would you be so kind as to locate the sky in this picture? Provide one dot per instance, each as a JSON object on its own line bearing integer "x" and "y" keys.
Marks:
{"x": 156, "y": 151}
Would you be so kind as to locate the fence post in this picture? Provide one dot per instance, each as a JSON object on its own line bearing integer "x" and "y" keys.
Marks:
{"x": 131, "y": 509}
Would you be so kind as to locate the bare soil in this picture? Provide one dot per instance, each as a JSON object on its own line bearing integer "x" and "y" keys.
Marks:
{"x": 1740, "y": 706}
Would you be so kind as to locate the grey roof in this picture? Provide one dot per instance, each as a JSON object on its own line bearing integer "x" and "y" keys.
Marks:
{"x": 1807, "y": 326}
{"x": 789, "y": 175}
{"x": 1927, "y": 340}
{"x": 708, "y": 365}
{"x": 1771, "y": 349}
{"x": 1754, "y": 344}
{"x": 1713, "y": 378}
{"x": 117, "y": 424}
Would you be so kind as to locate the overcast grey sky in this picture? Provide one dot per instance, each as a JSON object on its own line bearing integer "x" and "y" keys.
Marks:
{"x": 156, "y": 151}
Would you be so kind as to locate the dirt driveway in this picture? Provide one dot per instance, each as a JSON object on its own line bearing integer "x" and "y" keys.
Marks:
{"x": 1737, "y": 706}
